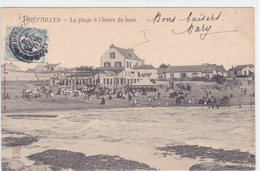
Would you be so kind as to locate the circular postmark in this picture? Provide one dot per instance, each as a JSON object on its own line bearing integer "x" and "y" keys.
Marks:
{"x": 28, "y": 44}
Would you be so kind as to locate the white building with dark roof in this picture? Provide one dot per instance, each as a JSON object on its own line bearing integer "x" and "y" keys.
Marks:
{"x": 122, "y": 62}
{"x": 116, "y": 57}
{"x": 242, "y": 70}
{"x": 191, "y": 71}
{"x": 48, "y": 67}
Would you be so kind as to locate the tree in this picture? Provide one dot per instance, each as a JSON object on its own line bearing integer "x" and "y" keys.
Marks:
{"x": 84, "y": 68}
{"x": 163, "y": 65}
{"x": 220, "y": 79}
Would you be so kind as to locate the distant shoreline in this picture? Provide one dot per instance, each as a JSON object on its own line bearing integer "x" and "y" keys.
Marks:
{"x": 110, "y": 108}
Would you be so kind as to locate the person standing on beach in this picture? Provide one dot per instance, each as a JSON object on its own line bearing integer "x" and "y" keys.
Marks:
{"x": 129, "y": 97}
{"x": 103, "y": 101}
{"x": 245, "y": 92}
{"x": 150, "y": 100}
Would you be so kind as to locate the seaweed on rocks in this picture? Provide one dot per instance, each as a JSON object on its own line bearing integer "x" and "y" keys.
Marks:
{"x": 63, "y": 159}
{"x": 17, "y": 139}
{"x": 219, "y": 155}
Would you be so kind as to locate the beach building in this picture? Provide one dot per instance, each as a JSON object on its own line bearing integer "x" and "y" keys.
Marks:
{"x": 241, "y": 70}
{"x": 48, "y": 67}
{"x": 147, "y": 71}
{"x": 191, "y": 72}
{"x": 69, "y": 78}
{"x": 119, "y": 67}
{"x": 11, "y": 72}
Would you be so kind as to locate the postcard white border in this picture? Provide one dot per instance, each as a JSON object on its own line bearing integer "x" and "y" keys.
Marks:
{"x": 161, "y": 3}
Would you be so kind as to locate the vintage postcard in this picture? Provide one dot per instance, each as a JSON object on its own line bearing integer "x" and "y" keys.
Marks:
{"x": 128, "y": 89}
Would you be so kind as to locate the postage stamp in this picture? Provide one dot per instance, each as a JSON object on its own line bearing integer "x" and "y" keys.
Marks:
{"x": 26, "y": 45}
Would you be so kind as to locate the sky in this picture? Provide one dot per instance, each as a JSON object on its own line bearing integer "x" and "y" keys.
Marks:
{"x": 177, "y": 36}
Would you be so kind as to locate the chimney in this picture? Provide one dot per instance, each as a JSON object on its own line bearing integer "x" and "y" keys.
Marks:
{"x": 143, "y": 62}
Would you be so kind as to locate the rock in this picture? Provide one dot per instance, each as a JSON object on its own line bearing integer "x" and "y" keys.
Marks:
{"x": 37, "y": 168}
{"x": 63, "y": 159}
{"x": 216, "y": 166}
{"x": 12, "y": 164}
{"x": 207, "y": 166}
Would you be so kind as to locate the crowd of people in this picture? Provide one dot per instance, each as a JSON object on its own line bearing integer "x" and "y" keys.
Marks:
{"x": 131, "y": 94}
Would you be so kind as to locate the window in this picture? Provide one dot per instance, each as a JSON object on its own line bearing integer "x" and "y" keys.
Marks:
{"x": 104, "y": 81}
{"x": 244, "y": 72}
{"x": 118, "y": 64}
{"x": 127, "y": 64}
{"x": 160, "y": 76}
{"x": 183, "y": 75}
{"x": 107, "y": 64}
{"x": 112, "y": 55}
{"x": 235, "y": 72}
{"x": 172, "y": 75}
{"x": 139, "y": 74}
{"x": 125, "y": 73}
{"x": 107, "y": 81}
{"x": 132, "y": 72}
{"x": 130, "y": 64}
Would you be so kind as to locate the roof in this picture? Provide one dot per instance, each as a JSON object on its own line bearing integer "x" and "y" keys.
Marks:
{"x": 51, "y": 65}
{"x": 187, "y": 68}
{"x": 208, "y": 68}
{"x": 242, "y": 67}
{"x": 220, "y": 69}
{"x": 127, "y": 53}
{"x": 144, "y": 67}
{"x": 110, "y": 73}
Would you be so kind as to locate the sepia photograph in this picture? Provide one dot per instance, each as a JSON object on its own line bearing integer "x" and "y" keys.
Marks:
{"x": 128, "y": 89}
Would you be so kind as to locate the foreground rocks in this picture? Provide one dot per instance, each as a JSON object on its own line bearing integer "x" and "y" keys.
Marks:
{"x": 14, "y": 139}
{"x": 63, "y": 159}
{"x": 12, "y": 164}
{"x": 237, "y": 160}
{"x": 16, "y": 164}
{"x": 216, "y": 166}
{"x": 219, "y": 155}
